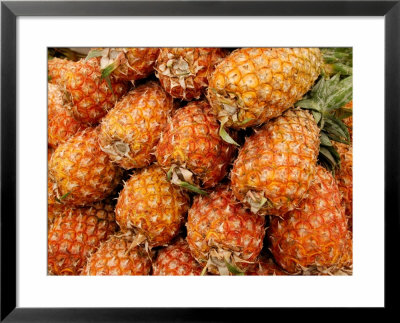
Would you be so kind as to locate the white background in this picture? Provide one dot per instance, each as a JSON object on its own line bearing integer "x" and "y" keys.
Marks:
{"x": 364, "y": 288}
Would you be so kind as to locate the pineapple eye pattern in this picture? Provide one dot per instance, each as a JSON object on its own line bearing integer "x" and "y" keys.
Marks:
{"x": 200, "y": 161}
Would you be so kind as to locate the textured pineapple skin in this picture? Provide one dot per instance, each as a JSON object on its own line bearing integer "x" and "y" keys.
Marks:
{"x": 61, "y": 123}
{"x": 218, "y": 221}
{"x": 344, "y": 175}
{"x": 344, "y": 178}
{"x": 135, "y": 63}
{"x": 74, "y": 235}
{"x": 151, "y": 206}
{"x": 57, "y": 70}
{"x": 80, "y": 172}
{"x": 191, "y": 140}
{"x": 254, "y": 85}
{"x": 314, "y": 237}
{"x": 278, "y": 162}
{"x": 115, "y": 257}
{"x": 176, "y": 260}
{"x": 130, "y": 132}
{"x": 183, "y": 72}
{"x": 90, "y": 94}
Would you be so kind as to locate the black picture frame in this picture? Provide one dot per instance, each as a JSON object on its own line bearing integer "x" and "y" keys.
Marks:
{"x": 10, "y": 10}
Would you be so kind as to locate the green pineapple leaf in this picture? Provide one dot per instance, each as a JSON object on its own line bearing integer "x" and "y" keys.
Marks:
{"x": 94, "y": 53}
{"x": 329, "y": 158}
{"x": 192, "y": 188}
{"x": 233, "y": 269}
{"x": 337, "y": 60}
{"x": 225, "y": 136}
{"x": 325, "y": 141}
{"x": 328, "y": 96}
{"x": 343, "y": 113}
{"x": 173, "y": 177}
{"x": 59, "y": 200}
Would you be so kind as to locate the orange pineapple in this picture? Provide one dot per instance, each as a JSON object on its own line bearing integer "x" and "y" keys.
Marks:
{"x": 75, "y": 235}
{"x": 92, "y": 96}
{"x": 117, "y": 256}
{"x": 80, "y": 172}
{"x": 151, "y": 208}
{"x": 176, "y": 260}
{"x": 276, "y": 165}
{"x": 254, "y": 85}
{"x": 344, "y": 178}
{"x": 223, "y": 236}
{"x": 127, "y": 64}
{"x": 57, "y": 69}
{"x": 183, "y": 72}
{"x": 191, "y": 148}
{"x": 313, "y": 238}
{"x": 130, "y": 131}
{"x": 61, "y": 123}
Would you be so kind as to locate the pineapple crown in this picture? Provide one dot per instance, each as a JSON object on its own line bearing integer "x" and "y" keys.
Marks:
{"x": 337, "y": 60}
{"x": 110, "y": 60}
{"x": 325, "y": 101}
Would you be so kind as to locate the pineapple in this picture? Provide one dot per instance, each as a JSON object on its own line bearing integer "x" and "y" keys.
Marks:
{"x": 127, "y": 64}
{"x": 191, "y": 150}
{"x": 151, "y": 207}
{"x": 276, "y": 165}
{"x": 74, "y": 234}
{"x": 344, "y": 178}
{"x": 183, "y": 72}
{"x": 344, "y": 175}
{"x": 80, "y": 172}
{"x": 130, "y": 131}
{"x": 223, "y": 237}
{"x": 117, "y": 256}
{"x": 176, "y": 260}
{"x": 61, "y": 123}
{"x": 57, "y": 70}
{"x": 254, "y": 85}
{"x": 264, "y": 266}
{"x": 91, "y": 95}
{"x": 313, "y": 238}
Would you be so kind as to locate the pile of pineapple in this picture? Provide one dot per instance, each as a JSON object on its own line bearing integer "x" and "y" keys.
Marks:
{"x": 200, "y": 161}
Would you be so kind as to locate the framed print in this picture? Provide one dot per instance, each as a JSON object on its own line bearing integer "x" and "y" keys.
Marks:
{"x": 209, "y": 141}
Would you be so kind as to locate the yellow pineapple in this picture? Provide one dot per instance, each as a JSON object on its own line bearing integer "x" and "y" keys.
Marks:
{"x": 254, "y": 85}
{"x": 275, "y": 166}
{"x": 151, "y": 208}
{"x": 80, "y": 172}
{"x": 130, "y": 131}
